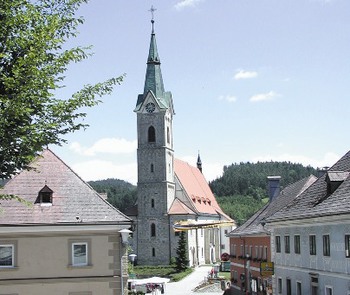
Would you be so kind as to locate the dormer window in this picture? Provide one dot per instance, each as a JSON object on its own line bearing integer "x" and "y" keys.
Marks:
{"x": 45, "y": 196}
{"x": 334, "y": 179}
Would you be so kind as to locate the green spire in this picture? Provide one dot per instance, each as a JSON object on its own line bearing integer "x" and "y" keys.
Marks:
{"x": 153, "y": 80}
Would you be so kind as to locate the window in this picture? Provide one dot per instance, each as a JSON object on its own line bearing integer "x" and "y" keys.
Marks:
{"x": 260, "y": 252}
{"x": 153, "y": 252}
{"x": 297, "y": 244}
{"x": 152, "y": 168}
{"x": 279, "y": 286}
{"x": 79, "y": 254}
{"x": 312, "y": 243}
{"x": 152, "y": 203}
{"x": 289, "y": 286}
{"x": 326, "y": 246}
{"x": 7, "y": 255}
{"x": 256, "y": 252}
{"x": 153, "y": 230}
{"x": 314, "y": 285}
{"x": 328, "y": 290}
{"x": 265, "y": 254}
{"x": 298, "y": 288}
{"x": 151, "y": 134}
{"x": 286, "y": 244}
{"x": 347, "y": 246}
{"x": 44, "y": 196}
{"x": 168, "y": 135}
{"x": 278, "y": 244}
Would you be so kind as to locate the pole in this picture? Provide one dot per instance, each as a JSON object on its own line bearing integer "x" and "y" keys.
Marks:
{"x": 121, "y": 275}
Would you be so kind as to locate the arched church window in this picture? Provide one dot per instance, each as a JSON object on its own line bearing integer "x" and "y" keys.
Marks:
{"x": 151, "y": 134}
{"x": 153, "y": 230}
{"x": 167, "y": 135}
{"x": 153, "y": 252}
{"x": 152, "y": 168}
{"x": 152, "y": 203}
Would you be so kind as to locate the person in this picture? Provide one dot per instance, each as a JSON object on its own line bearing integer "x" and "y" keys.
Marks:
{"x": 228, "y": 289}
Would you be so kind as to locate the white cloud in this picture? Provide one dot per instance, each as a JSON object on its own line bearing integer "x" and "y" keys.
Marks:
{"x": 242, "y": 74}
{"x": 229, "y": 98}
{"x": 186, "y": 3}
{"x": 263, "y": 96}
{"x": 328, "y": 159}
{"x": 98, "y": 169}
{"x": 107, "y": 146}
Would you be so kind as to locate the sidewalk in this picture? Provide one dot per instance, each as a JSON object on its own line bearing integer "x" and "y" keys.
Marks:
{"x": 188, "y": 284}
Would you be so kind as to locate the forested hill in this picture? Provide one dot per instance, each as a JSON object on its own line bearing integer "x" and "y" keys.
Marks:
{"x": 239, "y": 192}
{"x": 242, "y": 189}
{"x": 120, "y": 194}
{"x": 251, "y": 178}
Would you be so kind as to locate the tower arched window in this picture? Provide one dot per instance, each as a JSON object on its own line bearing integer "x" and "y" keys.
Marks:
{"x": 152, "y": 203}
{"x": 153, "y": 252}
{"x": 152, "y": 168}
{"x": 168, "y": 135}
{"x": 151, "y": 134}
{"x": 153, "y": 230}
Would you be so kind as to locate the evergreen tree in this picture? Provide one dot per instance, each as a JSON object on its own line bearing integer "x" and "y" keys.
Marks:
{"x": 181, "y": 251}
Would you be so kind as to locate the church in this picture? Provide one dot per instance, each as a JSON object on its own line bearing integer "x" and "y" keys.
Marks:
{"x": 172, "y": 194}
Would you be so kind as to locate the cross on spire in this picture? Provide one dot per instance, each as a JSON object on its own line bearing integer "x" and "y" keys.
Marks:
{"x": 152, "y": 10}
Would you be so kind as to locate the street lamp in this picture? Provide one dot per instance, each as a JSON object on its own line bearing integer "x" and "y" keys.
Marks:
{"x": 132, "y": 259}
{"x": 124, "y": 234}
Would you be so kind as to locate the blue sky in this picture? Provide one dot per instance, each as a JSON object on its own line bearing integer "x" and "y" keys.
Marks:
{"x": 252, "y": 80}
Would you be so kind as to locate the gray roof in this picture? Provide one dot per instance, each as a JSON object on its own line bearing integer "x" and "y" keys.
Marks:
{"x": 73, "y": 200}
{"x": 317, "y": 200}
{"x": 253, "y": 226}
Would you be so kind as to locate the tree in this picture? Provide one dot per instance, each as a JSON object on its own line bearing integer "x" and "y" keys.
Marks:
{"x": 32, "y": 66}
{"x": 181, "y": 251}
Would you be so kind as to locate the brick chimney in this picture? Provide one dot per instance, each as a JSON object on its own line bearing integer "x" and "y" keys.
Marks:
{"x": 273, "y": 186}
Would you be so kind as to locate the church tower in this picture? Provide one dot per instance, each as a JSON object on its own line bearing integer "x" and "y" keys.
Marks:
{"x": 155, "y": 158}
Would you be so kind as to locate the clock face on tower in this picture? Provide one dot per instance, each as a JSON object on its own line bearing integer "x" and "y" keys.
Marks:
{"x": 150, "y": 107}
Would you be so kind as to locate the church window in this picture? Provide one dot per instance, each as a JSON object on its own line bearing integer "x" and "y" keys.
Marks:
{"x": 168, "y": 135}
{"x": 153, "y": 230}
{"x": 152, "y": 203}
{"x": 151, "y": 134}
{"x": 152, "y": 168}
{"x": 153, "y": 252}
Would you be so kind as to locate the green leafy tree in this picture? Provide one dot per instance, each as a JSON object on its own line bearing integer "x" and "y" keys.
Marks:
{"x": 181, "y": 251}
{"x": 33, "y": 61}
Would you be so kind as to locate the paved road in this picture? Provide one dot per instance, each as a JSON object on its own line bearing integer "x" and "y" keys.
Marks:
{"x": 188, "y": 284}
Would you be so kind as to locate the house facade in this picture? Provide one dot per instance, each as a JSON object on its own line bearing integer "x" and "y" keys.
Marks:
{"x": 250, "y": 242}
{"x": 62, "y": 237}
{"x": 170, "y": 191}
{"x": 310, "y": 238}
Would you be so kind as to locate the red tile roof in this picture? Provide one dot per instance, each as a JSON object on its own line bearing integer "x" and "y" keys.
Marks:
{"x": 73, "y": 200}
{"x": 196, "y": 188}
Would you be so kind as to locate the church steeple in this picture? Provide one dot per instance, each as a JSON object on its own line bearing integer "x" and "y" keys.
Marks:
{"x": 153, "y": 80}
{"x": 199, "y": 163}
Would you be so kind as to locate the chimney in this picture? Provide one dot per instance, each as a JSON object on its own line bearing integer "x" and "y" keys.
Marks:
{"x": 322, "y": 171}
{"x": 273, "y": 186}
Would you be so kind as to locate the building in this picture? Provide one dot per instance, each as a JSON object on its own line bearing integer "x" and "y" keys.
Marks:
{"x": 169, "y": 190}
{"x": 250, "y": 242}
{"x": 310, "y": 238}
{"x": 62, "y": 237}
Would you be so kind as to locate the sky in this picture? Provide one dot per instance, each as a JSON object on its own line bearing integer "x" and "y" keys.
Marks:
{"x": 252, "y": 80}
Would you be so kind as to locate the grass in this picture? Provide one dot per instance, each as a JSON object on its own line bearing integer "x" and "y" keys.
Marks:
{"x": 167, "y": 271}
